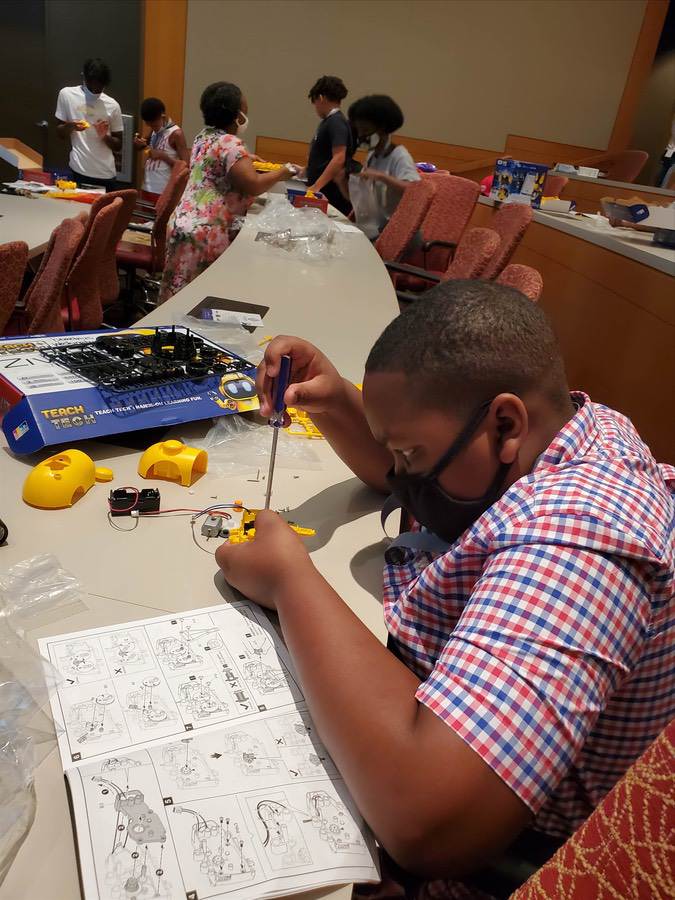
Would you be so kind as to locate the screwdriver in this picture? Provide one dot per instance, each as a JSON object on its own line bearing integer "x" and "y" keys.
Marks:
{"x": 277, "y": 418}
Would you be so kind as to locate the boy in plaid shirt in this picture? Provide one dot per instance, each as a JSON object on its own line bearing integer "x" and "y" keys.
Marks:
{"x": 531, "y": 609}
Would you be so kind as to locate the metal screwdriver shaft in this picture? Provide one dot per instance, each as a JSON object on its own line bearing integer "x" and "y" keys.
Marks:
{"x": 276, "y": 420}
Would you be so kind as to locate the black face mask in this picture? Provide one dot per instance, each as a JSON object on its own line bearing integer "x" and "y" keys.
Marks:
{"x": 425, "y": 500}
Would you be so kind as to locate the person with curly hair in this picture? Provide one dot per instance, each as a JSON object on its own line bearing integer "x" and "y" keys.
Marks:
{"x": 332, "y": 146}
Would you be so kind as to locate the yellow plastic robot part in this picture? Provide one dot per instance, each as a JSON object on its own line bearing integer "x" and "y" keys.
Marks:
{"x": 301, "y": 425}
{"x": 62, "y": 479}
{"x": 64, "y": 185}
{"x": 310, "y": 195}
{"x": 246, "y": 531}
{"x": 84, "y": 123}
{"x": 173, "y": 461}
{"x": 261, "y": 166}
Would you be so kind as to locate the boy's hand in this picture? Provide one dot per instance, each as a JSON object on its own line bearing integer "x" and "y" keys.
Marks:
{"x": 316, "y": 384}
{"x": 261, "y": 567}
{"x": 139, "y": 142}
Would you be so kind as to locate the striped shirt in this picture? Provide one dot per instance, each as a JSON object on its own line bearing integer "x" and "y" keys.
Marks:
{"x": 545, "y": 636}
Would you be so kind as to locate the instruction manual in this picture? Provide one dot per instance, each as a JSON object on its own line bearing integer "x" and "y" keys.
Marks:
{"x": 193, "y": 767}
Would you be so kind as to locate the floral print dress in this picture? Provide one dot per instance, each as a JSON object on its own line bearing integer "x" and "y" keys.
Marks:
{"x": 199, "y": 232}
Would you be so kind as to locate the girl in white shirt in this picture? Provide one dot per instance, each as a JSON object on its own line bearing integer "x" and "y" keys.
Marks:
{"x": 390, "y": 166}
{"x": 165, "y": 144}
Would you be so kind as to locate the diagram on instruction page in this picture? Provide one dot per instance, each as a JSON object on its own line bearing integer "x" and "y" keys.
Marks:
{"x": 301, "y": 751}
{"x": 93, "y": 718}
{"x": 188, "y": 647}
{"x": 219, "y": 848}
{"x": 280, "y": 832}
{"x": 119, "y": 763}
{"x": 126, "y": 652}
{"x": 80, "y": 662}
{"x": 248, "y": 754}
{"x": 198, "y": 699}
{"x": 133, "y": 866}
{"x": 148, "y": 708}
{"x": 261, "y": 667}
{"x": 186, "y": 765}
{"x": 333, "y": 823}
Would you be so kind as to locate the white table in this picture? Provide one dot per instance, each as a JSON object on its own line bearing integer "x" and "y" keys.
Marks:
{"x": 341, "y": 305}
{"x": 32, "y": 219}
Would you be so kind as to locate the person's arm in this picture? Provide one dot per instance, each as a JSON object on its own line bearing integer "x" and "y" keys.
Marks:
{"x": 246, "y": 180}
{"x": 179, "y": 144}
{"x": 334, "y": 404}
{"x": 114, "y": 140}
{"x": 431, "y": 801}
{"x": 448, "y": 770}
{"x": 332, "y": 170}
{"x": 399, "y": 184}
{"x": 113, "y": 134}
{"x": 65, "y": 129}
{"x": 403, "y": 171}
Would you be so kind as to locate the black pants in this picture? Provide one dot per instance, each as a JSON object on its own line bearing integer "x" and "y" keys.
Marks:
{"x": 84, "y": 181}
{"x": 336, "y": 198}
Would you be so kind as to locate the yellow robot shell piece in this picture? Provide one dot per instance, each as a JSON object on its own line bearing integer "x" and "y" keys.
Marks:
{"x": 173, "y": 461}
{"x": 301, "y": 424}
{"x": 60, "y": 480}
{"x": 246, "y": 531}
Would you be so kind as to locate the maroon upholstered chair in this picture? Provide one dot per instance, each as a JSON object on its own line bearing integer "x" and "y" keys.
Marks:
{"x": 523, "y": 278}
{"x": 624, "y": 165}
{"x": 83, "y": 285}
{"x": 406, "y": 220}
{"x": 510, "y": 222}
{"x": 151, "y": 258}
{"x": 109, "y": 279}
{"x": 44, "y": 297}
{"x": 449, "y": 214}
{"x": 475, "y": 249}
{"x": 13, "y": 261}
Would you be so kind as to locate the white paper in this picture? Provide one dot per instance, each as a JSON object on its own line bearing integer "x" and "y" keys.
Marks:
{"x": 232, "y": 317}
{"x": 348, "y": 228}
{"x": 193, "y": 765}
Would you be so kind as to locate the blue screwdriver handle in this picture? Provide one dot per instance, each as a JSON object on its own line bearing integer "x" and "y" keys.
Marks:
{"x": 281, "y": 383}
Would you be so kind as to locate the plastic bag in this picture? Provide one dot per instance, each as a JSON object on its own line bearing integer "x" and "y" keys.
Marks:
{"x": 304, "y": 233}
{"x": 230, "y": 336}
{"x": 38, "y": 591}
{"x": 236, "y": 445}
{"x": 367, "y": 212}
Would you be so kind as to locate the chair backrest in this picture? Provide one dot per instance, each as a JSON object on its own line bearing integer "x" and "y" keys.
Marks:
{"x": 554, "y": 184}
{"x": 44, "y": 297}
{"x": 166, "y": 203}
{"x": 625, "y": 848}
{"x": 510, "y": 222}
{"x": 406, "y": 220}
{"x": 523, "y": 278}
{"x": 83, "y": 283}
{"x": 475, "y": 249}
{"x": 110, "y": 284}
{"x": 447, "y": 216}
{"x": 13, "y": 261}
{"x": 624, "y": 165}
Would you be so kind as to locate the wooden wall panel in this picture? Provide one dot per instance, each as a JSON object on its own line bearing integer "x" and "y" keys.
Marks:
{"x": 615, "y": 321}
{"x": 588, "y": 194}
{"x": 164, "y": 34}
{"x": 538, "y": 150}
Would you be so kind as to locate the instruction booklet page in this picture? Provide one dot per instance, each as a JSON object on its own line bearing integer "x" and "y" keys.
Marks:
{"x": 193, "y": 765}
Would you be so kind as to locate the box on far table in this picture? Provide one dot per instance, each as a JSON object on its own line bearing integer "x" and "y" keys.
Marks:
{"x": 518, "y": 182}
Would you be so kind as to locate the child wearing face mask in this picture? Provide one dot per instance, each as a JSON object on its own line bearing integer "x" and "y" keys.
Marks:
{"x": 389, "y": 166}
{"x": 221, "y": 185}
{"x": 93, "y": 122}
{"x": 530, "y": 608}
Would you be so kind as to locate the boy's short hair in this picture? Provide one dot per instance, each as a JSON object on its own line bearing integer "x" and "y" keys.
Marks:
{"x": 329, "y": 86}
{"x": 378, "y": 109}
{"x": 152, "y": 108}
{"x": 96, "y": 69}
{"x": 464, "y": 342}
{"x": 220, "y": 104}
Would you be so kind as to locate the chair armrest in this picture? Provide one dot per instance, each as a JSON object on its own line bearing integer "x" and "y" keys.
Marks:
{"x": 429, "y": 245}
{"x": 139, "y": 214}
{"x": 404, "y": 269}
{"x": 145, "y": 203}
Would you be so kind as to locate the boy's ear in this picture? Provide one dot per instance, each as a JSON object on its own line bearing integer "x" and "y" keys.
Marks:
{"x": 512, "y": 425}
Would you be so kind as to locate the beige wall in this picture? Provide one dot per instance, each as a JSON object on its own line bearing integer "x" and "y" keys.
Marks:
{"x": 464, "y": 71}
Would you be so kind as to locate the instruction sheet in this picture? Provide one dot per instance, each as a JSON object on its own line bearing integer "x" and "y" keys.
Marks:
{"x": 193, "y": 765}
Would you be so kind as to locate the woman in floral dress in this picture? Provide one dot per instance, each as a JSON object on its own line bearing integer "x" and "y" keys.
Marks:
{"x": 221, "y": 185}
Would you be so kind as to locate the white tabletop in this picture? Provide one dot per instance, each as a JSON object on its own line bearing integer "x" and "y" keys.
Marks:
{"x": 637, "y": 245}
{"x": 341, "y": 305}
{"x": 32, "y": 219}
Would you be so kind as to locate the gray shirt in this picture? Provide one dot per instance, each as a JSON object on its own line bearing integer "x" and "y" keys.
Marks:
{"x": 399, "y": 164}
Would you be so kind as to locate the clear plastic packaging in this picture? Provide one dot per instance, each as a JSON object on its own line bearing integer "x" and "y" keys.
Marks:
{"x": 38, "y": 591}
{"x": 304, "y": 233}
{"x": 230, "y": 336}
{"x": 237, "y": 445}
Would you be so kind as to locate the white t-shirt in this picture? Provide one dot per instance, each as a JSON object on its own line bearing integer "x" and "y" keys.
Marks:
{"x": 398, "y": 163}
{"x": 156, "y": 173}
{"x": 89, "y": 154}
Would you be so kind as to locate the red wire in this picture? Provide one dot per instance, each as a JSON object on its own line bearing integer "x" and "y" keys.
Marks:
{"x": 134, "y": 503}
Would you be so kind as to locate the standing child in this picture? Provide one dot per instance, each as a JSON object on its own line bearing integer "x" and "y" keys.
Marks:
{"x": 165, "y": 144}
{"x": 332, "y": 146}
